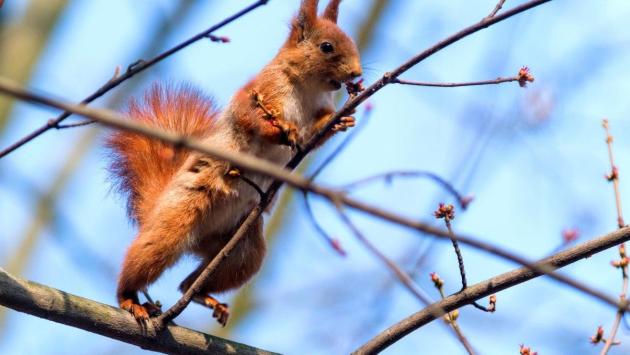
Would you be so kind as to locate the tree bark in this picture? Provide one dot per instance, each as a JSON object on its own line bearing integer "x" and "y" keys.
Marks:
{"x": 58, "y": 306}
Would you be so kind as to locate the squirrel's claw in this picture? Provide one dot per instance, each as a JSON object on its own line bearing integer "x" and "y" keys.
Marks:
{"x": 139, "y": 312}
{"x": 234, "y": 172}
{"x": 153, "y": 309}
{"x": 344, "y": 124}
{"x": 221, "y": 311}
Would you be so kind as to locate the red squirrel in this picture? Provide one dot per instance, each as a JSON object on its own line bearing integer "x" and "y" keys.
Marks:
{"x": 185, "y": 202}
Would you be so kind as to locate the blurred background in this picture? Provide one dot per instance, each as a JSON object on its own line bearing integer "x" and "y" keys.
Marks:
{"x": 534, "y": 158}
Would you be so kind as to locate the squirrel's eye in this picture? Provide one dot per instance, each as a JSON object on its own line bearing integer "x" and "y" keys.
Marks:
{"x": 326, "y": 47}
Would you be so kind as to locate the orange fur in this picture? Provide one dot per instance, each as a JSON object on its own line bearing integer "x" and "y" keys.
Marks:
{"x": 185, "y": 202}
{"x": 143, "y": 166}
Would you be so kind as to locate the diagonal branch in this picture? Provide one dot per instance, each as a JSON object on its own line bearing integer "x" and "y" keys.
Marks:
{"x": 485, "y": 288}
{"x": 61, "y": 307}
{"x": 256, "y": 165}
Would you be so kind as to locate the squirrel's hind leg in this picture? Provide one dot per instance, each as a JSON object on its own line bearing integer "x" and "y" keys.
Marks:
{"x": 147, "y": 257}
{"x": 161, "y": 241}
{"x": 221, "y": 311}
{"x": 242, "y": 263}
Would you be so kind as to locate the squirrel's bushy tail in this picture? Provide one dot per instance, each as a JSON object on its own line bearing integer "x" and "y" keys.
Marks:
{"x": 142, "y": 167}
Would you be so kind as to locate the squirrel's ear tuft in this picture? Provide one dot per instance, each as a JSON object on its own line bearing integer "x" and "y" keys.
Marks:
{"x": 332, "y": 10}
{"x": 305, "y": 20}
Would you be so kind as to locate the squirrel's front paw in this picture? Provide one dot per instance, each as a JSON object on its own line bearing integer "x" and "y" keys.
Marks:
{"x": 344, "y": 124}
{"x": 288, "y": 133}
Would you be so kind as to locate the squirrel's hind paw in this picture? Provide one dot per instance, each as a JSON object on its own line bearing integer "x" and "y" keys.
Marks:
{"x": 140, "y": 312}
{"x": 221, "y": 310}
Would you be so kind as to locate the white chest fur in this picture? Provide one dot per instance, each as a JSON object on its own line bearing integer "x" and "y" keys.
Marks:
{"x": 301, "y": 106}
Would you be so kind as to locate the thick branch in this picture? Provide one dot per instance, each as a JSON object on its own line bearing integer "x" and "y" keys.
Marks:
{"x": 489, "y": 287}
{"x": 58, "y": 306}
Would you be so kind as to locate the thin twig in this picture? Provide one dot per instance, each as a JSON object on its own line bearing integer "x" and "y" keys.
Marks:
{"x": 132, "y": 70}
{"x": 623, "y": 263}
{"x": 614, "y": 174}
{"x": 523, "y": 77}
{"x": 496, "y": 9}
{"x": 615, "y": 327}
{"x": 447, "y": 212}
{"x": 253, "y": 185}
{"x": 462, "y": 271}
{"x": 462, "y": 200}
{"x": 454, "y": 85}
{"x": 451, "y": 317}
{"x": 462, "y": 337}
{"x": 74, "y": 125}
{"x": 162, "y": 320}
{"x": 402, "y": 276}
{"x": 458, "y": 252}
{"x": 333, "y": 242}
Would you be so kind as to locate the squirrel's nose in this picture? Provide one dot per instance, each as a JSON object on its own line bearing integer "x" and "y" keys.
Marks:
{"x": 355, "y": 68}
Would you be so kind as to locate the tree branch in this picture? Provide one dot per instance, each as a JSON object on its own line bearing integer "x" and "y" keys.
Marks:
{"x": 281, "y": 175}
{"x": 496, "y": 9}
{"x": 454, "y": 85}
{"x": 61, "y": 307}
{"x": 462, "y": 200}
{"x": 489, "y": 287}
{"x": 623, "y": 263}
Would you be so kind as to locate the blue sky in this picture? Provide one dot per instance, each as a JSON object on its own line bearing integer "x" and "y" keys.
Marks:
{"x": 534, "y": 158}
